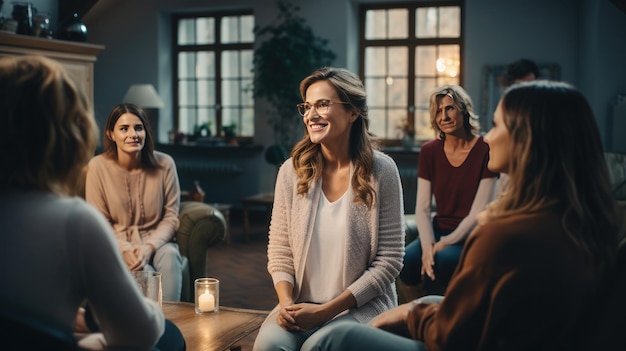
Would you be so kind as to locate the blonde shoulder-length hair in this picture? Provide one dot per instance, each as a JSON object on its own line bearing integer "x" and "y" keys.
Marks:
{"x": 307, "y": 156}
{"x": 462, "y": 102}
{"x": 48, "y": 125}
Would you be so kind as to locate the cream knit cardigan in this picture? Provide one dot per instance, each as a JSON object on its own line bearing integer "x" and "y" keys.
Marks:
{"x": 375, "y": 243}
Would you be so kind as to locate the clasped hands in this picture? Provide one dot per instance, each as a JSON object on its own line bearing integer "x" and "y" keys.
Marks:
{"x": 301, "y": 316}
{"x": 138, "y": 257}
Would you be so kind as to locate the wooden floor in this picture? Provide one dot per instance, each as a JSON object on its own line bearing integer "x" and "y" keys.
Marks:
{"x": 241, "y": 268}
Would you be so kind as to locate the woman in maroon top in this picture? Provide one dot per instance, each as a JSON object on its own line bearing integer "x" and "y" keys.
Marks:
{"x": 453, "y": 169}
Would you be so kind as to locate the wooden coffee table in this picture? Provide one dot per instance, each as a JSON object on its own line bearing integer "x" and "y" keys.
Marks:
{"x": 215, "y": 331}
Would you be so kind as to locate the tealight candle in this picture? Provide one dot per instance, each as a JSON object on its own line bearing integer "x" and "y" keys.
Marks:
{"x": 206, "y": 302}
{"x": 207, "y": 295}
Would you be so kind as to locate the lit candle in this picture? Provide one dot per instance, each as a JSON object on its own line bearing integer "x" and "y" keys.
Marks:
{"x": 206, "y": 302}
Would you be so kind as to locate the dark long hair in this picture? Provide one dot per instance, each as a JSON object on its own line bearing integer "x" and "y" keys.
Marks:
{"x": 148, "y": 160}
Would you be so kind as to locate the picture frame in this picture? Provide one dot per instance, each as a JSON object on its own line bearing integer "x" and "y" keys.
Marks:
{"x": 492, "y": 88}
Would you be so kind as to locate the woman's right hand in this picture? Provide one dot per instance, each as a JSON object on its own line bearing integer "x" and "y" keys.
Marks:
{"x": 428, "y": 262}
{"x": 285, "y": 319}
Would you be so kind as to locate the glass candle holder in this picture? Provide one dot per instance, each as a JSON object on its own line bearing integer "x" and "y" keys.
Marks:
{"x": 151, "y": 285}
{"x": 207, "y": 295}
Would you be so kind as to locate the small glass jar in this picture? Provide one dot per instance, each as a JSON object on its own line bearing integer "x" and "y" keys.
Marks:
{"x": 207, "y": 295}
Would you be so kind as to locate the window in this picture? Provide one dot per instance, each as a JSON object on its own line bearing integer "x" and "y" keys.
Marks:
{"x": 406, "y": 51}
{"x": 213, "y": 73}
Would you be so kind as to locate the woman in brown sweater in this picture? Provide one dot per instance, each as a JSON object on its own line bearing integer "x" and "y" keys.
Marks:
{"x": 532, "y": 268}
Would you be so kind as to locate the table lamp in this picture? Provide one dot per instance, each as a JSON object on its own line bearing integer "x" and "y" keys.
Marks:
{"x": 146, "y": 97}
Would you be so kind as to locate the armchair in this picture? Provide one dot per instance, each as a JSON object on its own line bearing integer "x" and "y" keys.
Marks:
{"x": 201, "y": 226}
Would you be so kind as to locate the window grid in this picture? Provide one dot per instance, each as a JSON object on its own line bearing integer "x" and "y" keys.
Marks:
{"x": 212, "y": 77}
{"x": 405, "y": 94}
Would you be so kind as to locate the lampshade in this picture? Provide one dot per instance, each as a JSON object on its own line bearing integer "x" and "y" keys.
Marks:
{"x": 143, "y": 95}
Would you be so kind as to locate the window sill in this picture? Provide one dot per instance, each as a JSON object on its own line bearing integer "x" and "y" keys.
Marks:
{"x": 210, "y": 149}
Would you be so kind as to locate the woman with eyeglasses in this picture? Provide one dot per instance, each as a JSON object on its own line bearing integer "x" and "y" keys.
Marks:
{"x": 452, "y": 169}
{"x": 336, "y": 236}
{"x": 532, "y": 273}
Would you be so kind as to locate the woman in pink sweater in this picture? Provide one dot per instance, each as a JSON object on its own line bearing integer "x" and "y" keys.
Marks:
{"x": 336, "y": 235}
{"x": 137, "y": 190}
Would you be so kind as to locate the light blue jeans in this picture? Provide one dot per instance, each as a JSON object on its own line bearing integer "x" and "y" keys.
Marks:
{"x": 344, "y": 336}
{"x": 168, "y": 261}
{"x": 272, "y": 337}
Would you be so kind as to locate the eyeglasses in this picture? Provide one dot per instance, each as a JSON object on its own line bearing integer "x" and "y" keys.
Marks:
{"x": 321, "y": 106}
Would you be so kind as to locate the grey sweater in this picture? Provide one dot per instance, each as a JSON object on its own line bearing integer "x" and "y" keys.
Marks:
{"x": 375, "y": 243}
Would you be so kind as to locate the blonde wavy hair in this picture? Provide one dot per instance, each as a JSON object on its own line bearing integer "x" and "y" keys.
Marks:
{"x": 557, "y": 163}
{"x": 307, "y": 156}
{"x": 48, "y": 124}
{"x": 463, "y": 103}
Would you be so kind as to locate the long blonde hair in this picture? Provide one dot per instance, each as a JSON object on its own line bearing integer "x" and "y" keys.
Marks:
{"x": 557, "y": 162}
{"x": 307, "y": 156}
{"x": 48, "y": 125}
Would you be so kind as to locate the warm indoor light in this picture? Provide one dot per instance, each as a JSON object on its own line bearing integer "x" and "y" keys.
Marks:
{"x": 143, "y": 95}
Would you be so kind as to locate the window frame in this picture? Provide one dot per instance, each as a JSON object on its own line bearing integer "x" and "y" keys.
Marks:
{"x": 411, "y": 43}
{"x": 217, "y": 48}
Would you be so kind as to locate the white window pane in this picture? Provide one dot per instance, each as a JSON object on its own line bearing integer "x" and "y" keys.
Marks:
{"x": 230, "y": 29}
{"x": 247, "y": 29}
{"x": 398, "y": 61}
{"x": 230, "y": 64}
{"x": 423, "y": 88}
{"x": 206, "y": 93}
{"x": 375, "y": 61}
{"x": 186, "y": 93}
{"x": 186, "y": 65}
{"x": 206, "y": 64}
{"x": 448, "y": 81}
{"x": 186, "y": 32}
{"x": 449, "y": 22}
{"x": 377, "y": 118}
{"x": 398, "y": 23}
{"x": 231, "y": 93}
{"x": 376, "y": 91}
{"x": 423, "y": 129}
{"x": 205, "y": 27}
{"x": 376, "y": 24}
{"x": 426, "y": 22}
{"x": 247, "y": 98}
{"x": 448, "y": 61}
{"x": 425, "y": 61}
{"x": 186, "y": 120}
{"x": 247, "y": 122}
{"x": 246, "y": 63}
{"x": 398, "y": 92}
{"x": 396, "y": 118}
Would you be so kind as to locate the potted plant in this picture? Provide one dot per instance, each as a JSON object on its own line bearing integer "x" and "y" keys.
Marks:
{"x": 289, "y": 53}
